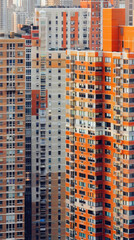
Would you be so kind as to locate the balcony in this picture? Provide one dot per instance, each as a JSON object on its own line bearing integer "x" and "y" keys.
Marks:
{"x": 118, "y": 92}
{"x": 117, "y": 204}
{"x": 43, "y": 202}
{"x": 43, "y": 186}
{"x": 118, "y": 82}
{"x": 72, "y": 167}
{"x": 72, "y": 184}
{"x": 118, "y": 196}
{"x": 43, "y": 192}
{"x": 72, "y": 141}
{"x": 43, "y": 178}
{"x": 118, "y": 121}
{"x": 11, "y": 88}
{"x": 117, "y": 111}
{"x": 118, "y": 65}
{"x": 72, "y": 193}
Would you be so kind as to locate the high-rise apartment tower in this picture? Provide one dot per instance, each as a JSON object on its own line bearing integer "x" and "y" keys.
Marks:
{"x": 100, "y": 136}
{"x": 12, "y": 138}
{"x": 3, "y": 16}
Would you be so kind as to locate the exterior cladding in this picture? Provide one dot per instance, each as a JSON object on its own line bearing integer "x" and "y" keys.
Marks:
{"x": 45, "y": 129}
{"x": 74, "y": 30}
{"x": 38, "y": 101}
{"x": 12, "y": 138}
{"x": 95, "y": 28}
{"x": 32, "y": 59}
{"x": 62, "y": 3}
{"x": 111, "y": 23}
{"x": 84, "y": 146}
{"x": 35, "y": 98}
{"x": 129, "y": 6}
{"x": 35, "y": 127}
{"x": 100, "y": 139}
{"x": 64, "y": 30}
{"x": 63, "y": 25}
{"x": 75, "y": 36}
{"x": 55, "y": 145}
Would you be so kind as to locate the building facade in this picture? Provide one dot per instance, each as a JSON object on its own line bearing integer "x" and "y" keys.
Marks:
{"x": 129, "y": 6}
{"x": 12, "y": 144}
{"x": 55, "y": 145}
{"x": 3, "y": 16}
{"x": 66, "y": 3}
{"x": 29, "y": 6}
{"x": 96, "y": 29}
{"x": 65, "y": 27}
{"x": 45, "y": 138}
{"x": 9, "y": 3}
{"x": 62, "y": 3}
{"x": 95, "y": 135}
{"x": 18, "y": 17}
{"x": 99, "y": 136}
{"x": 52, "y": 3}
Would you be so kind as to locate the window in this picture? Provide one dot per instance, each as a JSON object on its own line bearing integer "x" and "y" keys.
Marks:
{"x": 108, "y": 214}
{"x": 20, "y": 53}
{"x": 107, "y": 88}
{"x": 83, "y": 235}
{"x": 107, "y": 187}
{"x": 107, "y": 196}
{"x": 107, "y": 178}
{"x": 108, "y": 223}
{"x": 108, "y": 97}
{"x": 20, "y": 61}
{"x": 107, "y": 205}
{"x": 107, "y": 60}
{"x": 107, "y": 69}
{"x": 20, "y": 45}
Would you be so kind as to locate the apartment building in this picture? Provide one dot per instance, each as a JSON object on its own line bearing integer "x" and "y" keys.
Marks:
{"x": 45, "y": 128}
{"x": 118, "y": 3}
{"x": 38, "y": 129}
{"x": 29, "y": 5}
{"x": 52, "y": 3}
{"x": 65, "y": 27}
{"x": 62, "y": 3}
{"x": 30, "y": 34}
{"x": 45, "y": 137}
{"x": 48, "y": 148}
{"x": 96, "y": 30}
{"x": 66, "y": 3}
{"x": 9, "y": 3}
{"x": 83, "y": 134}
{"x": 3, "y": 16}
{"x": 45, "y": 124}
{"x": 129, "y": 6}
{"x": 55, "y": 144}
{"x": 12, "y": 137}
{"x": 18, "y": 17}
{"x": 35, "y": 198}
{"x": 99, "y": 136}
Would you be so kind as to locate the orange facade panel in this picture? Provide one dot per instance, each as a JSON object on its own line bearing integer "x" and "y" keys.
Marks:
{"x": 112, "y": 19}
{"x": 126, "y": 38}
{"x": 100, "y": 145}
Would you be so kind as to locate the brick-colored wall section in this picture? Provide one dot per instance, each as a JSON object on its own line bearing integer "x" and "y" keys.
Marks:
{"x": 12, "y": 143}
{"x": 99, "y": 144}
{"x": 95, "y": 29}
{"x": 54, "y": 206}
